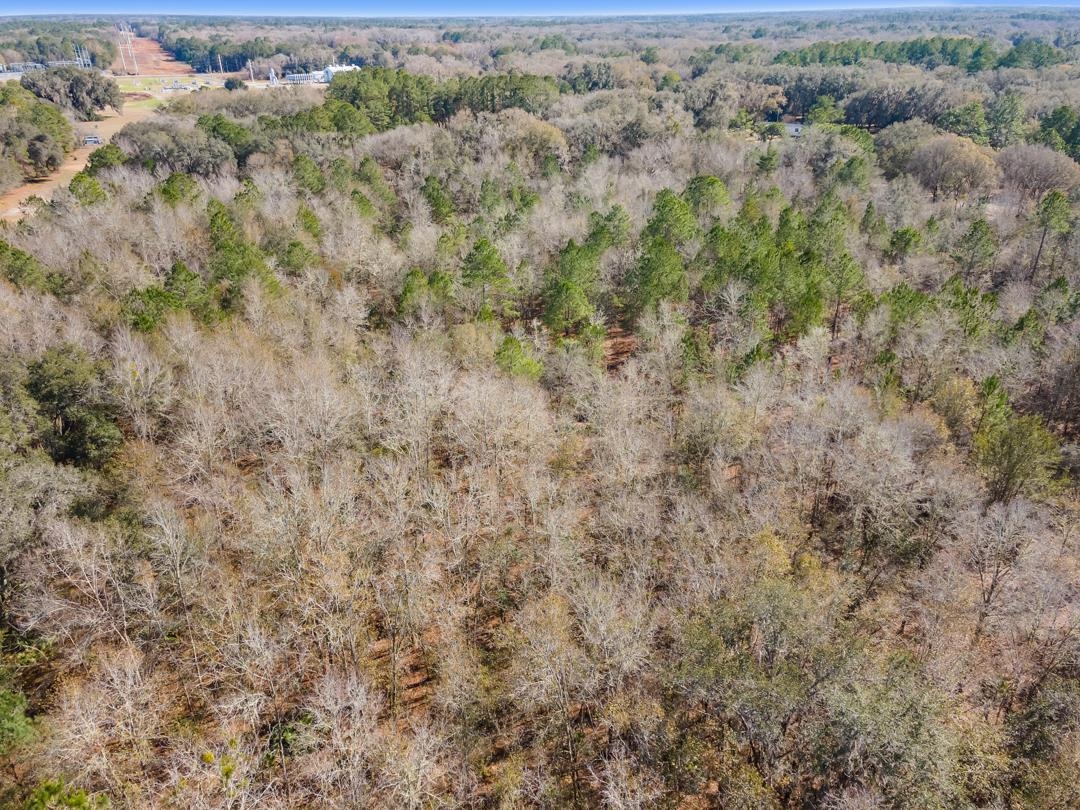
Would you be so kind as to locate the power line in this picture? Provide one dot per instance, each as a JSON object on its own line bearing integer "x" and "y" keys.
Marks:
{"x": 125, "y": 43}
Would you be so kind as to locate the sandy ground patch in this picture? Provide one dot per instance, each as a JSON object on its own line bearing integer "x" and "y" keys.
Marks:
{"x": 11, "y": 202}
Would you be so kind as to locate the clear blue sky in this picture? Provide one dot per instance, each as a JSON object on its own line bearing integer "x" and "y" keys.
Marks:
{"x": 442, "y": 8}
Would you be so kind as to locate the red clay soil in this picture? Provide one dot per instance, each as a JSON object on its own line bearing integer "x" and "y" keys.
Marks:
{"x": 153, "y": 61}
{"x": 618, "y": 346}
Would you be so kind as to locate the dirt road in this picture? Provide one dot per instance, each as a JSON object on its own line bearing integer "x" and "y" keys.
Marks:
{"x": 11, "y": 202}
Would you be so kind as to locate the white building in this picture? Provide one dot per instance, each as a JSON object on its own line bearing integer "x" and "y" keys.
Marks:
{"x": 332, "y": 70}
{"x": 324, "y": 76}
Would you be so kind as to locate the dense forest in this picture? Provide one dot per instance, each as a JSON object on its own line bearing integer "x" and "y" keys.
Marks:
{"x": 55, "y": 39}
{"x": 627, "y": 413}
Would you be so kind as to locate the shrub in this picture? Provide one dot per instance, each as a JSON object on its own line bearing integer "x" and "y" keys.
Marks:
{"x": 23, "y": 270}
{"x": 440, "y": 202}
{"x": 79, "y": 425}
{"x": 516, "y": 359}
{"x": 1018, "y": 454}
{"x": 86, "y": 189}
{"x": 178, "y": 187}
{"x": 105, "y": 157}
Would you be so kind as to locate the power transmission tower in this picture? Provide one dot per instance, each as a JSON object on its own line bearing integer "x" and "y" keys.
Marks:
{"x": 82, "y": 56}
{"x": 124, "y": 40}
{"x": 120, "y": 47}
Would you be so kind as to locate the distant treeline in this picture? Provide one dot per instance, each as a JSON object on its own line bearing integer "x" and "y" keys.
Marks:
{"x": 970, "y": 54}
{"x": 47, "y": 43}
{"x": 204, "y": 54}
{"x": 216, "y": 54}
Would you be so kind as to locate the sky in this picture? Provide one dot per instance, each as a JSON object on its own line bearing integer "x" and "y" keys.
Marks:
{"x": 445, "y": 8}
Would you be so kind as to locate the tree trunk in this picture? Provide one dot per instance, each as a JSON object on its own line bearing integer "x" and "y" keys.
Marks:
{"x": 1038, "y": 255}
{"x": 835, "y": 317}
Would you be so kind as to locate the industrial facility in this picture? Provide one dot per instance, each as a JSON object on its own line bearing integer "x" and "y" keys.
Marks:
{"x": 81, "y": 60}
{"x": 324, "y": 76}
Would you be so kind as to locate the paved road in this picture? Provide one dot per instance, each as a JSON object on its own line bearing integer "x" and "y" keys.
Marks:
{"x": 11, "y": 202}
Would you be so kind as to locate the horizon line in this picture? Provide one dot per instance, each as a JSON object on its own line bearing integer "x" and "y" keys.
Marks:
{"x": 857, "y": 5}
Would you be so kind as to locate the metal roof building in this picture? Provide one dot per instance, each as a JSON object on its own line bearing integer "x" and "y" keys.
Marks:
{"x": 332, "y": 70}
{"x": 304, "y": 78}
{"x": 324, "y": 76}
